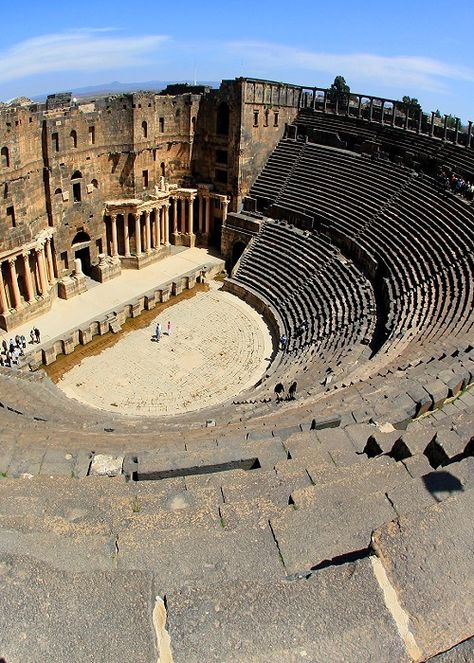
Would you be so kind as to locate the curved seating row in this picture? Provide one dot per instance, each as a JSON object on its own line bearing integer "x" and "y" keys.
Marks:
{"x": 422, "y": 243}
{"x": 396, "y": 141}
{"x": 326, "y": 304}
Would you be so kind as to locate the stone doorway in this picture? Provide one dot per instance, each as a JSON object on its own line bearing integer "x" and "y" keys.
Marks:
{"x": 84, "y": 255}
{"x": 237, "y": 250}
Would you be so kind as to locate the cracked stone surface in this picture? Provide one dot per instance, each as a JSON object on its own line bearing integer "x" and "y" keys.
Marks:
{"x": 337, "y": 615}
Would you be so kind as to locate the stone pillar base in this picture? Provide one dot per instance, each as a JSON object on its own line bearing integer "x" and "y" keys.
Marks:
{"x": 107, "y": 269}
{"x": 177, "y": 239}
{"x": 70, "y": 286}
{"x": 190, "y": 240}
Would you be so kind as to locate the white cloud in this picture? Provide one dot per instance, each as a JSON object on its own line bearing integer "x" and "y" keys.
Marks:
{"x": 411, "y": 71}
{"x": 86, "y": 50}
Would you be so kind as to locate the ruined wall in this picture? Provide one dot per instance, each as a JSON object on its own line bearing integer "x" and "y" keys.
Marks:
{"x": 65, "y": 159}
{"x": 257, "y": 114}
{"x": 266, "y": 109}
{"x": 22, "y": 196}
{"x": 215, "y": 158}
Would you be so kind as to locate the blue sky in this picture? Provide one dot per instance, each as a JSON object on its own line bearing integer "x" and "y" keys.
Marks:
{"x": 421, "y": 48}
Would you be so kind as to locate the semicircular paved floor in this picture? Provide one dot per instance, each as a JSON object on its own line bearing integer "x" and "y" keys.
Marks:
{"x": 218, "y": 347}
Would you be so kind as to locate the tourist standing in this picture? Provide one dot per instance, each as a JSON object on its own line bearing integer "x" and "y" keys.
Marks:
{"x": 32, "y": 336}
{"x": 168, "y": 328}
{"x": 292, "y": 391}
{"x": 279, "y": 391}
{"x": 158, "y": 331}
{"x": 37, "y": 334}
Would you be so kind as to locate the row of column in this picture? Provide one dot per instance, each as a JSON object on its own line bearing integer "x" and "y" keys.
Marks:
{"x": 183, "y": 215}
{"x": 44, "y": 262}
{"x": 395, "y": 105}
{"x": 156, "y": 232}
{"x": 205, "y": 203}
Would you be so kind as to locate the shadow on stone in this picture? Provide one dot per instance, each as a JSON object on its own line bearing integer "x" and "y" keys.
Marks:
{"x": 441, "y": 482}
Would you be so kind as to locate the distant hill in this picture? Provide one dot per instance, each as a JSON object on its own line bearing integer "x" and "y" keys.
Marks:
{"x": 115, "y": 87}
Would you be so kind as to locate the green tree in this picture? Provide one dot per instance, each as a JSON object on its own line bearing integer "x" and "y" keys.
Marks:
{"x": 410, "y": 105}
{"x": 339, "y": 90}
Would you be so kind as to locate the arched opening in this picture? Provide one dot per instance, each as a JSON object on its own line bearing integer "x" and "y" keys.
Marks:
{"x": 145, "y": 129}
{"x": 193, "y": 124}
{"x": 76, "y": 186}
{"x": 163, "y": 169}
{"x": 5, "y": 157}
{"x": 80, "y": 238}
{"x": 222, "y": 124}
{"x": 95, "y": 184}
{"x": 73, "y": 136}
{"x": 81, "y": 247}
{"x": 58, "y": 192}
{"x": 237, "y": 250}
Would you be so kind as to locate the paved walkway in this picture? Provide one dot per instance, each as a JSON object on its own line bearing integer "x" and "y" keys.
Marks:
{"x": 218, "y": 346}
{"x": 69, "y": 314}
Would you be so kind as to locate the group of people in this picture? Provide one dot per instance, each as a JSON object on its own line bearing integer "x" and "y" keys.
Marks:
{"x": 12, "y": 351}
{"x": 159, "y": 331}
{"x": 452, "y": 182}
{"x": 280, "y": 391}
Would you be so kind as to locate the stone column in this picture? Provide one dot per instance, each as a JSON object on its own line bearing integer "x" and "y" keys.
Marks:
{"x": 147, "y": 232}
{"x": 42, "y": 269}
{"x": 175, "y": 216}
{"x": 456, "y": 131}
{"x": 432, "y": 123}
{"x": 166, "y": 225}
{"x": 158, "y": 217}
{"x": 407, "y": 117}
{"x": 394, "y": 111}
{"x": 182, "y": 215}
{"x": 113, "y": 220}
{"x": 49, "y": 260}
{"x": 225, "y": 206}
{"x": 359, "y": 107}
{"x": 14, "y": 282}
{"x": 201, "y": 213}
{"x": 28, "y": 280}
{"x": 371, "y": 109}
{"x": 445, "y": 128}
{"x": 190, "y": 216}
{"x": 325, "y": 102}
{"x": 469, "y": 134}
{"x": 126, "y": 235}
{"x": 138, "y": 235}
{"x": 382, "y": 118}
{"x": 420, "y": 120}
{"x": 3, "y": 296}
{"x": 208, "y": 214}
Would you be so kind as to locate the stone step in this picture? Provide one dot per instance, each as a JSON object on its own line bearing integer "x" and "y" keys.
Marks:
{"x": 157, "y": 465}
{"x": 309, "y": 536}
{"x": 427, "y": 556}
{"x": 432, "y": 487}
{"x": 462, "y": 653}
{"x": 200, "y": 556}
{"x": 301, "y": 620}
{"x": 336, "y": 484}
{"x": 66, "y": 553}
{"x": 112, "y": 618}
{"x": 252, "y": 512}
